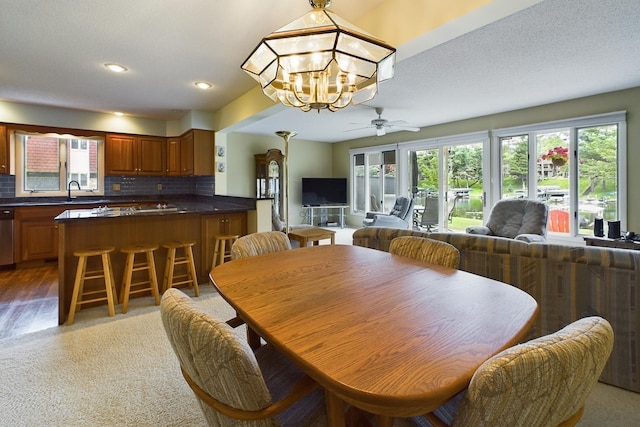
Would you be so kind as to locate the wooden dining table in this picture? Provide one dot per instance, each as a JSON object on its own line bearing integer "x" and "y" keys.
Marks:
{"x": 387, "y": 334}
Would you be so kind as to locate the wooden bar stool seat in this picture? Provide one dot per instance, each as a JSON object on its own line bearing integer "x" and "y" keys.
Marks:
{"x": 108, "y": 293}
{"x": 189, "y": 276}
{"x": 222, "y": 252}
{"x": 148, "y": 264}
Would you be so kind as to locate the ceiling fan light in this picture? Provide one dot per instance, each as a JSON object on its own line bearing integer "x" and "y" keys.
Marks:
{"x": 320, "y": 61}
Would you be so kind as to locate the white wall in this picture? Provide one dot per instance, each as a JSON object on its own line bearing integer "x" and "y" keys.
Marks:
{"x": 306, "y": 159}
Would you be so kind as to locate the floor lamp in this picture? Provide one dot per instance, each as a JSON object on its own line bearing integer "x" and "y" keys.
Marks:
{"x": 286, "y": 135}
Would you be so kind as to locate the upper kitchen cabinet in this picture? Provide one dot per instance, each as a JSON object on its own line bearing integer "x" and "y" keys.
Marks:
{"x": 191, "y": 153}
{"x": 135, "y": 155}
{"x": 4, "y": 150}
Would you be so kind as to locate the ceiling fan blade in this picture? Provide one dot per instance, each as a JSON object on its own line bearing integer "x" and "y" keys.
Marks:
{"x": 380, "y": 131}
{"x": 351, "y": 130}
{"x": 409, "y": 128}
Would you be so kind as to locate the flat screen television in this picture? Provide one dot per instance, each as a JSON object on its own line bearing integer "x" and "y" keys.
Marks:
{"x": 324, "y": 191}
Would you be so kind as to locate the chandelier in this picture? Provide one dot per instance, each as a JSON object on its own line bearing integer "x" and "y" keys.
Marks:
{"x": 320, "y": 61}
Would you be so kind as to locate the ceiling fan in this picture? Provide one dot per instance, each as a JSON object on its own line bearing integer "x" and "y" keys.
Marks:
{"x": 381, "y": 124}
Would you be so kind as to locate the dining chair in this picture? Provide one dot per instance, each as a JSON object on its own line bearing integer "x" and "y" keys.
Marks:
{"x": 425, "y": 249}
{"x": 255, "y": 244}
{"x": 543, "y": 382}
{"x": 234, "y": 385}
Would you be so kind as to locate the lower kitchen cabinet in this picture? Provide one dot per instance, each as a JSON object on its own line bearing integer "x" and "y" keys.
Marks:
{"x": 228, "y": 223}
{"x": 36, "y": 233}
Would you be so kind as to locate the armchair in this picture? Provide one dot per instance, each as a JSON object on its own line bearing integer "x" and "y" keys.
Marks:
{"x": 519, "y": 219}
{"x": 234, "y": 385}
{"x": 398, "y": 217}
{"x": 543, "y": 382}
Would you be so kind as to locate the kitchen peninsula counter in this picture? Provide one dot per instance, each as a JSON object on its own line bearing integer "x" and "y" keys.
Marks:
{"x": 197, "y": 219}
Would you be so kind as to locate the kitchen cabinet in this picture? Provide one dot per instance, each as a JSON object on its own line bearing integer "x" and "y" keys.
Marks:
{"x": 227, "y": 223}
{"x": 36, "y": 233}
{"x": 191, "y": 154}
{"x": 4, "y": 151}
{"x": 135, "y": 155}
{"x": 173, "y": 157}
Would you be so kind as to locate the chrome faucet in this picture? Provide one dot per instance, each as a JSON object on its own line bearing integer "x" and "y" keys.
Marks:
{"x": 69, "y": 188}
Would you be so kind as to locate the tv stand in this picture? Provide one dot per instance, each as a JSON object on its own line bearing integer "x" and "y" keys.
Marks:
{"x": 311, "y": 213}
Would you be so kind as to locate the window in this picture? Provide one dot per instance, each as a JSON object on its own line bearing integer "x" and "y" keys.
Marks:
{"x": 574, "y": 166}
{"x": 47, "y": 163}
{"x": 374, "y": 183}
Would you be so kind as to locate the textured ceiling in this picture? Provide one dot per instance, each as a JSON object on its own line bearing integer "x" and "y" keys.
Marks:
{"x": 552, "y": 51}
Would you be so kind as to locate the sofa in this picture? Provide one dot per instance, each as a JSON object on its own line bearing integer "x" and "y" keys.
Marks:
{"x": 569, "y": 282}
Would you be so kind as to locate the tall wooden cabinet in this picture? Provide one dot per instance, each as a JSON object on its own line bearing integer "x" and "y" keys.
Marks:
{"x": 135, "y": 155}
{"x": 270, "y": 178}
{"x": 4, "y": 150}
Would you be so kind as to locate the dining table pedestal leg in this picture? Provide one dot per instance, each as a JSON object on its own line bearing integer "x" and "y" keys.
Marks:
{"x": 384, "y": 421}
{"x": 335, "y": 410}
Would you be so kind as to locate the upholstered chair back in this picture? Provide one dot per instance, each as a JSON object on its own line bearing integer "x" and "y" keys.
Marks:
{"x": 424, "y": 249}
{"x": 543, "y": 382}
{"x": 216, "y": 359}
{"x": 401, "y": 207}
{"x": 255, "y": 244}
{"x": 511, "y": 217}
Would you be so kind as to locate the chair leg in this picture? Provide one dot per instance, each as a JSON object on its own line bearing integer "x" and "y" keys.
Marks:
{"x": 223, "y": 250}
{"x": 77, "y": 289}
{"x": 168, "y": 270}
{"x": 109, "y": 284}
{"x": 191, "y": 269}
{"x": 216, "y": 250}
{"x": 153, "y": 279}
{"x": 126, "y": 282}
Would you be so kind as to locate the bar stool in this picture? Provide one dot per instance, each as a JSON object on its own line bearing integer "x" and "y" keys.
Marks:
{"x": 221, "y": 252}
{"x": 189, "y": 277}
{"x": 148, "y": 264}
{"x": 80, "y": 296}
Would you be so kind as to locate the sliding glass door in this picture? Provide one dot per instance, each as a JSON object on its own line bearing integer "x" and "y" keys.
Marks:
{"x": 446, "y": 181}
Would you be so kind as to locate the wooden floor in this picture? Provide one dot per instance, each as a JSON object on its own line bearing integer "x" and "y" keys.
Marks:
{"x": 28, "y": 300}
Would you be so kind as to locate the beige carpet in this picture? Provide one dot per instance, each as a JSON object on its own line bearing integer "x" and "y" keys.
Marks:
{"x": 100, "y": 371}
{"x": 120, "y": 371}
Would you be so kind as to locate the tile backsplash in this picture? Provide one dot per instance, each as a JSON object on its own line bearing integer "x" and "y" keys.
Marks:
{"x": 138, "y": 185}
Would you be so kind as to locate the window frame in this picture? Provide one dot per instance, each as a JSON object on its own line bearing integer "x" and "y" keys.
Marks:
{"x": 492, "y": 162}
{"x": 379, "y": 149}
{"x": 18, "y": 143}
{"x": 573, "y": 125}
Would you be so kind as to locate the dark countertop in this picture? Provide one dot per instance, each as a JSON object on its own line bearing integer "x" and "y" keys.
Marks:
{"x": 169, "y": 205}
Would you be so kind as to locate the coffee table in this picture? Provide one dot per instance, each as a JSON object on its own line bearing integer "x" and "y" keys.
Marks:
{"x": 312, "y": 234}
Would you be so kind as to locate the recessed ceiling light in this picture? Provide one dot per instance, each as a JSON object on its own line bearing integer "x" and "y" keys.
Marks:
{"x": 118, "y": 113}
{"x": 117, "y": 68}
{"x": 203, "y": 85}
